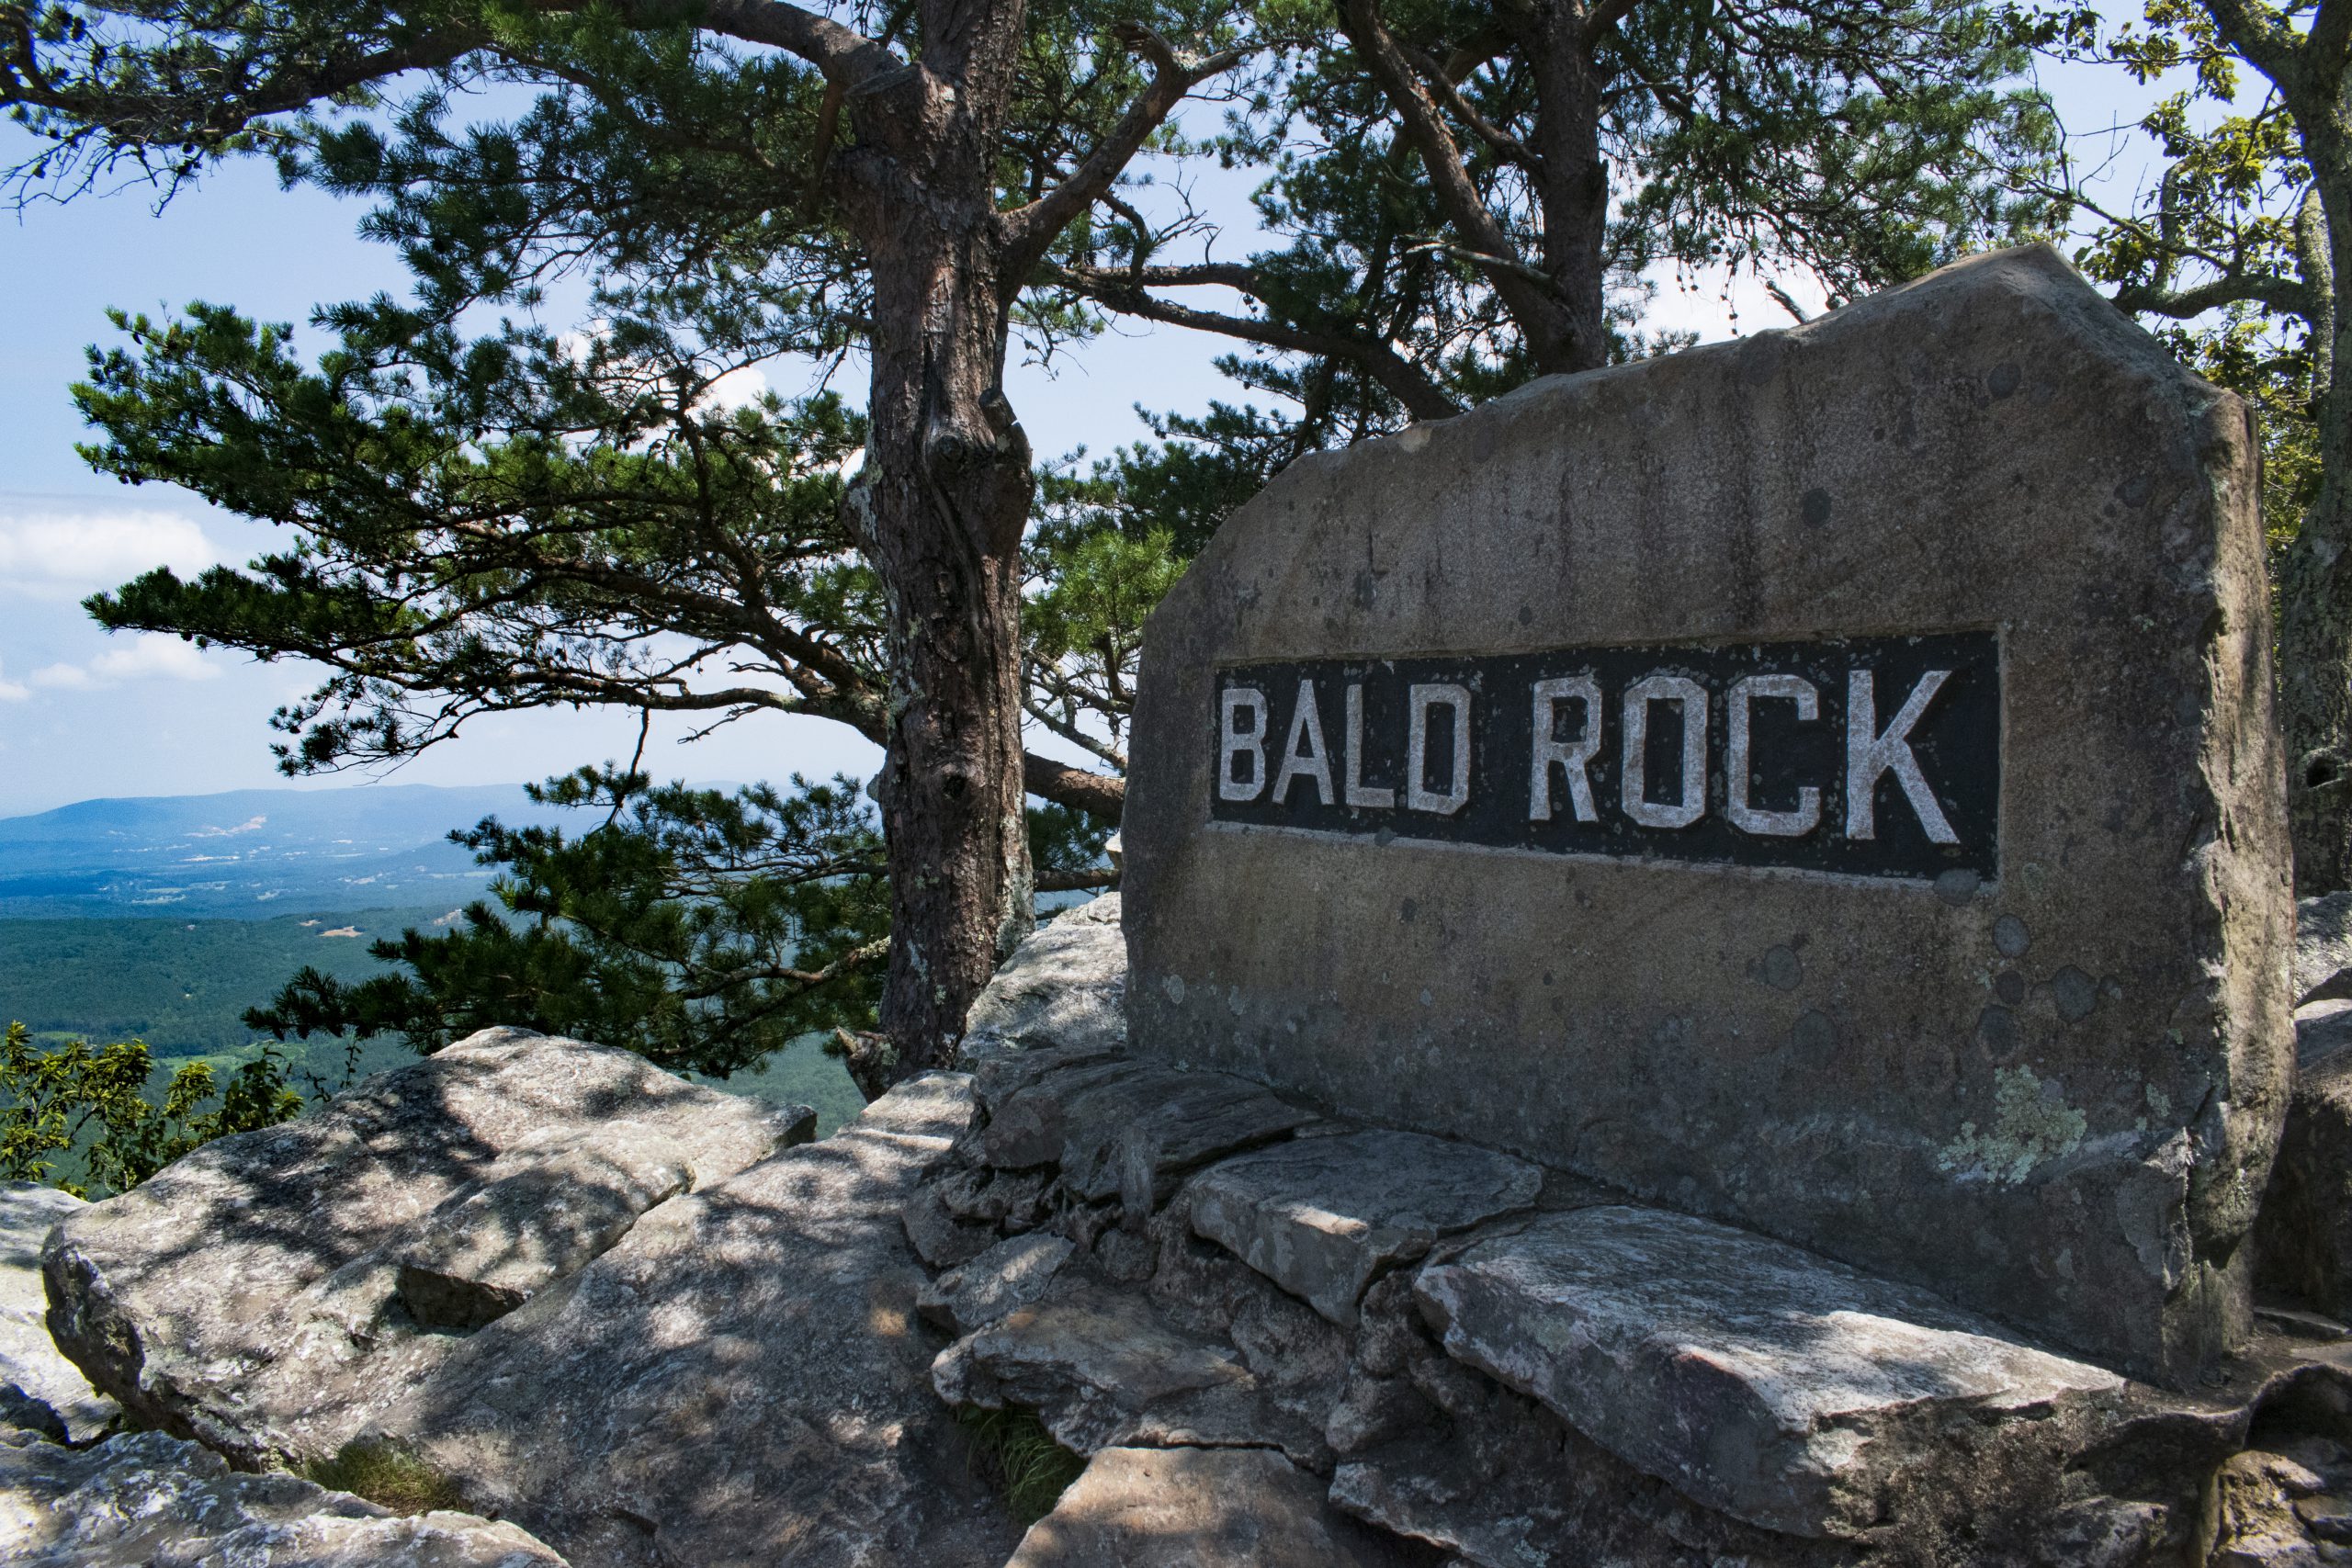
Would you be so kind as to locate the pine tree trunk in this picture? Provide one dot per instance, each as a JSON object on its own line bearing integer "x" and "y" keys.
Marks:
{"x": 942, "y": 504}
{"x": 2316, "y": 583}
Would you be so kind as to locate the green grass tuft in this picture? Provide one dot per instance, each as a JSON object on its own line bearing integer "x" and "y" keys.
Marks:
{"x": 386, "y": 1476}
{"x": 1012, "y": 1452}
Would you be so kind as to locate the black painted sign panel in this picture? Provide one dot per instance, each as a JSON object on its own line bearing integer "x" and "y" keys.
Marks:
{"x": 1868, "y": 756}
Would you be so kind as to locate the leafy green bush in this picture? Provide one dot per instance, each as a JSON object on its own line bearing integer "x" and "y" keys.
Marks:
{"x": 89, "y": 1106}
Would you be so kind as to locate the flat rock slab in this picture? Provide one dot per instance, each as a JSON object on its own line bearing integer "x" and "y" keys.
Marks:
{"x": 1758, "y": 1378}
{"x": 62, "y": 1401}
{"x": 1064, "y": 987}
{"x": 742, "y": 1379}
{"x": 1102, "y": 1369}
{"x": 1202, "y": 1508}
{"x": 1321, "y": 1216}
{"x": 148, "y": 1500}
{"x": 247, "y": 1296}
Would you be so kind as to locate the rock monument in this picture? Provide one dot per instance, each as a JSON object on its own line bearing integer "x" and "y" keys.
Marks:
{"x": 1824, "y": 782}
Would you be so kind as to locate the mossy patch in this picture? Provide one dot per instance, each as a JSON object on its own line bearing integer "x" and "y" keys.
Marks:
{"x": 1015, "y": 1455}
{"x": 2031, "y": 1124}
{"x": 386, "y": 1476}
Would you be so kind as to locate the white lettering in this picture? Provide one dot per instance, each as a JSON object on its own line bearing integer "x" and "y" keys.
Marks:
{"x": 1750, "y": 819}
{"x": 1573, "y": 756}
{"x": 1869, "y": 753}
{"x": 1691, "y": 803}
{"x": 1417, "y": 795}
{"x": 1358, "y": 795}
{"x": 1304, "y": 754}
{"x": 1234, "y": 742}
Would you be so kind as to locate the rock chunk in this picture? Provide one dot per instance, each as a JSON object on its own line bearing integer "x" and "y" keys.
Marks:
{"x": 248, "y": 1295}
{"x": 1759, "y": 1379}
{"x": 1321, "y": 1216}
{"x": 1009, "y": 1275}
{"x": 742, "y": 1378}
{"x": 53, "y": 1394}
{"x": 2322, "y": 947}
{"x": 1102, "y": 1369}
{"x": 1202, "y": 1508}
{"x": 1064, "y": 987}
{"x": 1124, "y": 1129}
{"x": 147, "y": 1500}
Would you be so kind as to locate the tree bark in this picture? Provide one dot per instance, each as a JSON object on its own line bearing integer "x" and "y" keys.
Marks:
{"x": 941, "y": 505}
{"x": 2315, "y": 579}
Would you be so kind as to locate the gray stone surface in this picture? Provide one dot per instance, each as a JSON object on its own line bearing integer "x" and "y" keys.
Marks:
{"x": 1102, "y": 1369}
{"x": 1759, "y": 1379}
{"x": 1130, "y": 1129}
{"x": 2050, "y": 1092}
{"x": 1202, "y": 1508}
{"x": 544, "y": 1209}
{"x": 1066, "y": 985}
{"x": 148, "y": 1500}
{"x": 1010, "y": 1274}
{"x": 1321, "y": 1216}
{"x": 62, "y": 1401}
{"x": 2322, "y": 947}
{"x": 2321, "y": 1029}
{"x": 2303, "y": 1239}
{"x": 741, "y": 1378}
{"x": 247, "y": 1296}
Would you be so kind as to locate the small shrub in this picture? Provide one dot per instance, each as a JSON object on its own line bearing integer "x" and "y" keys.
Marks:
{"x": 1014, "y": 1454}
{"x": 386, "y": 1476}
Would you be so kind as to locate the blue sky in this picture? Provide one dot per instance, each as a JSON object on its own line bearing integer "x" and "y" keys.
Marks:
{"x": 83, "y": 713}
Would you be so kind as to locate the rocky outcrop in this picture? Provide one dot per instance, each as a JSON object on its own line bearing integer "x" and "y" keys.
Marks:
{"x": 272, "y": 1292}
{"x": 1519, "y": 1370}
{"x": 40, "y": 1390}
{"x": 147, "y": 1500}
{"x": 743, "y": 1377}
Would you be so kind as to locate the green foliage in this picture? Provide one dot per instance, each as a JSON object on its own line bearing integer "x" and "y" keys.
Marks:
{"x": 388, "y": 1477}
{"x": 2227, "y": 253}
{"x": 1015, "y": 1455}
{"x": 93, "y": 1103}
{"x": 702, "y": 929}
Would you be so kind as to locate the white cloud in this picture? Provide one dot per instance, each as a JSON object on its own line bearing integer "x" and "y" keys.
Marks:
{"x": 150, "y": 656}
{"x": 12, "y": 690}
{"x": 61, "y": 552}
{"x": 739, "y": 388}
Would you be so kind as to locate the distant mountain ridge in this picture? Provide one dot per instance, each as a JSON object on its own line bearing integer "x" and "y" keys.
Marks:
{"x": 253, "y": 853}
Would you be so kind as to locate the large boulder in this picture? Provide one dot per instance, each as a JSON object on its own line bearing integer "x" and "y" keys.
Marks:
{"x": 2303, "y": 1234}
{"x": 49, "y": 1394}
{"x": 272, "y": 1292}
{"x": 742, "y": 1378}
{"x": 147, "y": 1500}
{"x": 1065, "y": 986}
